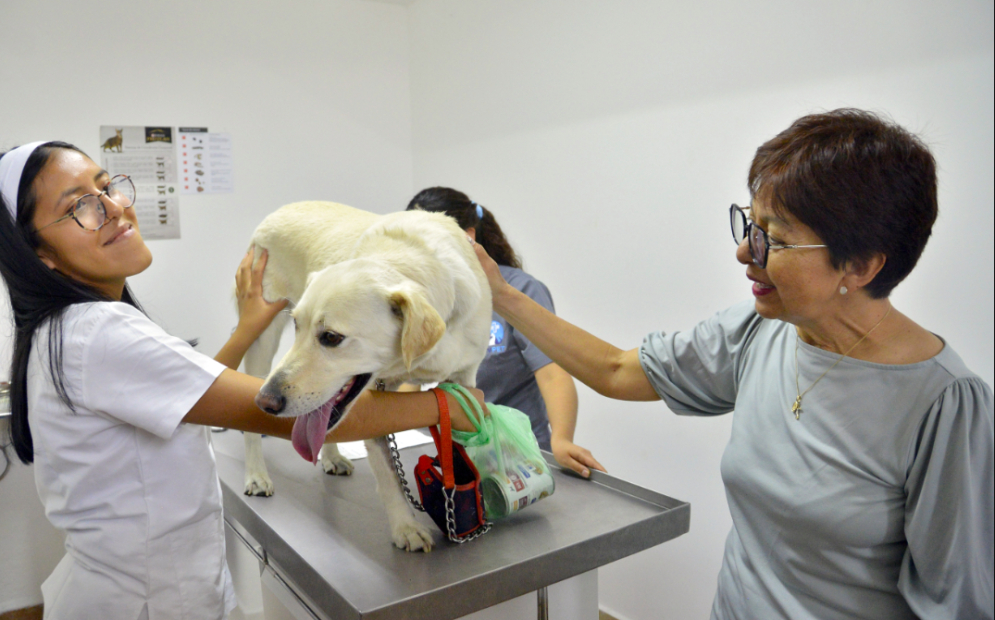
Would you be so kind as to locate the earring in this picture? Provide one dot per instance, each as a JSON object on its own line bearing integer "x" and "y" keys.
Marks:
{"x": 843, "y": 290}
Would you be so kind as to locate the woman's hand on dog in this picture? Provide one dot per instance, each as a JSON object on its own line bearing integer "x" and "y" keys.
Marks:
{"x": 570, "y": 455}
{"x": 499, "y": 287}
{"x": 254, "y": 312}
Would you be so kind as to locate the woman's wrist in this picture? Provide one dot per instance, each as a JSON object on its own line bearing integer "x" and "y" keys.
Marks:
{"x": 554, "y": 437}
{"x": 240, "y": 335}
{"x": 240, "y": 340}
{"x": 504, "y": 297}
{"x": 458, "y": 416}
{"x": 233, "y": 350}
{"x": 375, "y": 414}
{"x": 251, "y": 327}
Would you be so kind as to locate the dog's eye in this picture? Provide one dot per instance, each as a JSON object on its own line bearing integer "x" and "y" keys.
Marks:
{"x": 330, "y": 339}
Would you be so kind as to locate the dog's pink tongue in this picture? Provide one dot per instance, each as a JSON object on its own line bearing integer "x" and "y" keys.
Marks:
{"x": 309, "y": 433}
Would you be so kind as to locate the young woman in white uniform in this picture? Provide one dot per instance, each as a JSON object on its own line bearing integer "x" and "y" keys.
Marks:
{"x": 860, "y": 467}
{"x": 113, "y": 411}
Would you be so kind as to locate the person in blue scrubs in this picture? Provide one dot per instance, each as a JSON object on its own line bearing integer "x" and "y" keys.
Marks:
{"x": 515, "y": 373}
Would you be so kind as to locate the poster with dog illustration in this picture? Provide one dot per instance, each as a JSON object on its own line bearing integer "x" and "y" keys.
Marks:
{"x": 148, "y": 156}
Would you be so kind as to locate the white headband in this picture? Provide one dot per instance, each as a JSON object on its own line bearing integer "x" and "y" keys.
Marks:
{"x": 11, "y": 167}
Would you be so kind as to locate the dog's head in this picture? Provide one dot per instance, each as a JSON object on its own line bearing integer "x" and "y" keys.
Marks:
{"x": 355, "y": 322}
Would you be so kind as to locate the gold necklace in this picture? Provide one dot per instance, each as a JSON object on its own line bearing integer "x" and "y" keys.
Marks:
{"x": 797, "y": 407}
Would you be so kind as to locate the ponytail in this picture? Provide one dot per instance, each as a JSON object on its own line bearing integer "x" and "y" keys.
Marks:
{"x": 469, "y": 214}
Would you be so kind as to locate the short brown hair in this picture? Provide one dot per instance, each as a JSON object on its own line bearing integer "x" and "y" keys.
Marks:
{"x": 863, "y": 184}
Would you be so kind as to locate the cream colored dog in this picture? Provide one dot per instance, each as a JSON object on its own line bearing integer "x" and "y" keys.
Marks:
{"x": 395, "y": 298}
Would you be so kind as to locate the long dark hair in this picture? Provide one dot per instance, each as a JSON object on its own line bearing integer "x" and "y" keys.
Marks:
{"x": 469, "y": 214}
{"x": 37, "y": 294}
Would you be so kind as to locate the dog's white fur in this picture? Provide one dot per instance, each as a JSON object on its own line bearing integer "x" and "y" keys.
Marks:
{"x": 407, "y": 293}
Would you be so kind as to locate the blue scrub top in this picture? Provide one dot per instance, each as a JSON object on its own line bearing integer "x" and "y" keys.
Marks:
{"x": 507, "y": 374}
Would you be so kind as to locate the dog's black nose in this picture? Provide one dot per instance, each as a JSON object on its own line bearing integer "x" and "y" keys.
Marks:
{"x": 270, "y": 403}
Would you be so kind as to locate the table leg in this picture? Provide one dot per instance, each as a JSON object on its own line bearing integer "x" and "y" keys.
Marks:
{"x": 543, "y": 603}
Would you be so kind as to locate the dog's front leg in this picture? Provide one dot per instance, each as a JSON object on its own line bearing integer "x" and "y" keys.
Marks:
{"x": 406, "y": 531}
{"x": 257, "y": 480}
{"x": 258, "y": 360}
{"x": 333, "y": 462}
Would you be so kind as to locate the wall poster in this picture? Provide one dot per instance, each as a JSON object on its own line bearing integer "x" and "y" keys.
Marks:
{"x": 148, "y": 156}
{"x": 205, "y": 162}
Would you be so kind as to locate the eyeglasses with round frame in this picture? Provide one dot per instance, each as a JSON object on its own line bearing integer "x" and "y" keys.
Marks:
{"x": 89, "y": 209}
{"x": 760, "y": 245}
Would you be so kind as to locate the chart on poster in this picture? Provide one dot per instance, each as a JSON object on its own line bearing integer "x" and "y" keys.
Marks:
{"x": 148, "y": 156}
{"x": 205, "y": 161}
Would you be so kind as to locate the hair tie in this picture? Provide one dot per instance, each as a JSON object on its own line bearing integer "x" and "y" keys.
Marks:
{"x": 11, "y": 168}
{"x": 480, "y": 211}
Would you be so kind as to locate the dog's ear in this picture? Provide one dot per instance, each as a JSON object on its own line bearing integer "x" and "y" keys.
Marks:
{"x": 422, "y": 328}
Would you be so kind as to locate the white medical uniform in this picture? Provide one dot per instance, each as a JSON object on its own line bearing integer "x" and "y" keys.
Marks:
{"x": 135, "y": 491}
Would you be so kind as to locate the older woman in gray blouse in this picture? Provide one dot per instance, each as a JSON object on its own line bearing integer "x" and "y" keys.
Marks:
{"x": 859, "y": 473}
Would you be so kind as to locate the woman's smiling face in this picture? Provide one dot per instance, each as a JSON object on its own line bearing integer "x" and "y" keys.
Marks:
{"x": 102, "y": 259}
{"x": 798, "y": 285}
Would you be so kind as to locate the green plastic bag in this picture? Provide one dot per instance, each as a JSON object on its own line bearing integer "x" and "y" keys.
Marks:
{"x": 513, "y": 472}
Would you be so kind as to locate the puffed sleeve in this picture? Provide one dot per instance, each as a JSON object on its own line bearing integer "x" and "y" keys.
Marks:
{"x": 695, "y": 371}
{"x": 135, "y": 372}
{"x": 534, "y": 358}
{"x": 947, "y": 571}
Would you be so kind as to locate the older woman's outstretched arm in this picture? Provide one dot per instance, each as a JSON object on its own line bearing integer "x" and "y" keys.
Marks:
{"x": 606, "y": 369}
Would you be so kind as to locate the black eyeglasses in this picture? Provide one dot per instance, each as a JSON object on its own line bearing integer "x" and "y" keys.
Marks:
{"x": 760, "y": 245}
{"x": 89, "y": 211}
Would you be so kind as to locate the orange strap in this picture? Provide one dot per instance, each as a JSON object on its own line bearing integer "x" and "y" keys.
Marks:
{"x": 444, "y": 440}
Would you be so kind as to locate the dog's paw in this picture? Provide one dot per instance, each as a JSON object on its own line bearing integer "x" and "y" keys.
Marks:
{"x": 336, "y": 465}
{"x": 258, "y": 484}
{"x": 412, "y": 536}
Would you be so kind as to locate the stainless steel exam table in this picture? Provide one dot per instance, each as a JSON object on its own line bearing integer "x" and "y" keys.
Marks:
{"x": 325, "y": 538}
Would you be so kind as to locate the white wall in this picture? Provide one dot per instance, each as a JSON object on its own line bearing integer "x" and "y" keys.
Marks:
{"x": 315, "y": 94}
{"x": 610, "y": 139}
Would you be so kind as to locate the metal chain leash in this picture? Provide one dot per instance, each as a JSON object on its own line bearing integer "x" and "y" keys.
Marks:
{"x": 395, "y": 457}
{"x": 450, "y": 496}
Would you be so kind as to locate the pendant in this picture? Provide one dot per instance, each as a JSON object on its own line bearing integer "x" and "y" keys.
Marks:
{"x": 797, "y": 408}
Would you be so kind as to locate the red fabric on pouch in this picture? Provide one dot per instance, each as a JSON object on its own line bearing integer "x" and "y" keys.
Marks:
{"x": 451, "y": 471}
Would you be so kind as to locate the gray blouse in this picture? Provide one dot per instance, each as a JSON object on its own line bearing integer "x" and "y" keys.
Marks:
{"x": 878, "y": 503}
